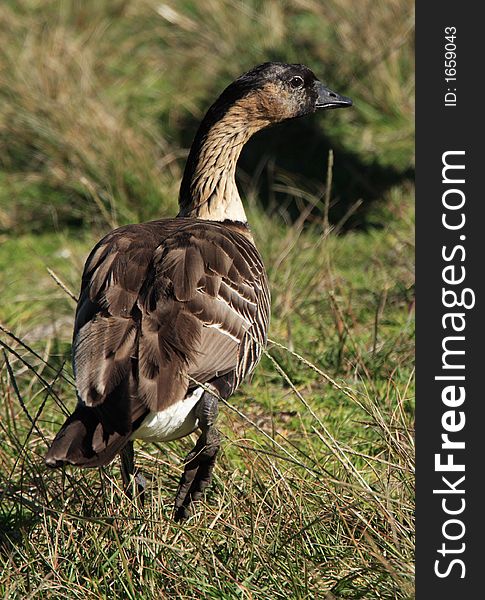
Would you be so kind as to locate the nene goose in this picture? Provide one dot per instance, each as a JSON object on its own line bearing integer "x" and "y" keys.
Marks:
{"x": 173, "y": 314}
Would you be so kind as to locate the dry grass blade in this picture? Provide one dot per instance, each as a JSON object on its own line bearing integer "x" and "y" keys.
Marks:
{"x": 62, "y": 285}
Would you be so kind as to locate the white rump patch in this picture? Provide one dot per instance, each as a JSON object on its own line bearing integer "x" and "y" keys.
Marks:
{"x": 176, "y": 421}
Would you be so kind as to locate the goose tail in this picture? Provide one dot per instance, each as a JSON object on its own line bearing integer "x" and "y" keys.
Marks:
{"x": 86, "y": 440}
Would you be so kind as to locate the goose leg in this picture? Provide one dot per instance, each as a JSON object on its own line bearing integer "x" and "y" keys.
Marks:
{"x": 130, "y": 474}
{"x": 200, "y": 462}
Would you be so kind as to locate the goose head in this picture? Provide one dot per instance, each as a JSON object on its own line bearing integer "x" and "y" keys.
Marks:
{"x": 268, "y": 94}
{"x": 275, "y": 92}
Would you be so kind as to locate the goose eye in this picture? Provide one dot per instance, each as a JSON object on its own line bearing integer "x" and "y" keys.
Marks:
{"x": 296, "y": 81}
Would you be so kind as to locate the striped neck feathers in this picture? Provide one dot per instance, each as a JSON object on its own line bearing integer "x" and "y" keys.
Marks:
{"x": 208, "y": 189}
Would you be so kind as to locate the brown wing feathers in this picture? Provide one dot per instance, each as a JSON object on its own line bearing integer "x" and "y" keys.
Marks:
{"x": 161, "y": 304}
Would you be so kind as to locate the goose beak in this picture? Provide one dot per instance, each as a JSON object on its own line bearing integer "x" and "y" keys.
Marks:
{"x": 328, "y": 99}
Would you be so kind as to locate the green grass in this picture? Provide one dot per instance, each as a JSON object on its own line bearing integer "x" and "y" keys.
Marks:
{"x": 99, "y": 99}
{"x": 313, "y": 494}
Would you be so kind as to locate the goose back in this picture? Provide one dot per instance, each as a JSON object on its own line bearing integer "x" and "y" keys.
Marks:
{"x": 163, "y": 305}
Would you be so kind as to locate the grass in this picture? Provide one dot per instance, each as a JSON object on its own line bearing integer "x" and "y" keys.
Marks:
{"x": 314, "y": 489}
{"x": 313, "y": 494}
{"x": 99, "y": 99}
